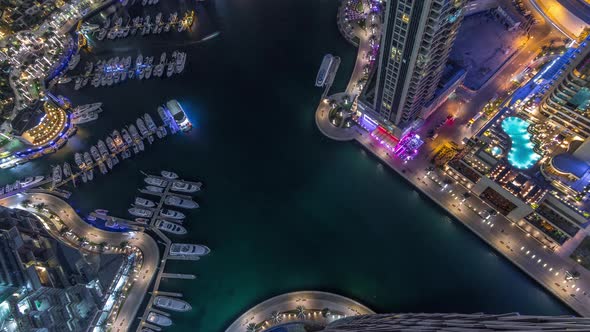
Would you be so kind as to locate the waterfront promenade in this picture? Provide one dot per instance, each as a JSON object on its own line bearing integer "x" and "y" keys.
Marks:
{"x": 537, "y": 261}
{"x": 283, "y": 309}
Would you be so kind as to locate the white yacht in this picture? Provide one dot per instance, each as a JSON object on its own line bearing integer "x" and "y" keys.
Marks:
{"x": 151, "y": 125}
{"x": 140, "y": 212}
{"x": 57, "y": 174}
{"x": 155, "y": 181}
{"x": 86, "y": 117}
{"x": 179, "y": 202}
{"x": 171, "y": 214}
{"x": 29, "y": 181}
{"x": 171, "y": 303}
{"x": 185, "y": 249}
{"x": 186, "y": 187}
{"x": 179, "y": 115}
{"x": 170, "y": 227}
{"x": 169, "y": 175}
{"x": 158, "y": 319}
{"x": 74, "y": 61}
{"x": 144, "y": 202}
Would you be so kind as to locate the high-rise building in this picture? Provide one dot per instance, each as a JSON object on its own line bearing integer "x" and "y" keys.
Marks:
{"x": 567, "y": 102}
{"x": 415, "y": 44}
{"x": 457, "y": 322}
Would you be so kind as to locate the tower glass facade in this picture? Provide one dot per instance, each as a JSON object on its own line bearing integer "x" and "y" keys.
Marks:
{"x": 416, "y": 41}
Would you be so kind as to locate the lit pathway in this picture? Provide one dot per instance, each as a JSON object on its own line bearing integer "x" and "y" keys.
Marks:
{"x": 313, "y": 302}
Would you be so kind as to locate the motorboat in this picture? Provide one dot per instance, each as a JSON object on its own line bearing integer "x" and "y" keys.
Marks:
{"x": 95, "y": 154}
{"x": 169, "y": 175}
{"x": 158, "y": 319}
{"x": 167, "y": 213}
{"x": 180, "y": 202}
{"x": 151, "y": 125}
{"x": 90, "y": 175}
{"x": 154, "y": 189}
{"x": 142, "y": 128}
{"x": 170, "y": 227}
{"x": 138, "y": 212}
{"x": 144, "y": 202}
{"x": 185, "y": 249}
{"x": 172, "y": 303}
{"x": 142, "y": 220}
{"x": 185, "y": 187}
{"x": 102, "y": 168}
{"x": 102, "y": 212}
{"x": 155, "y": 181}
{"x": 67, "y": 170}
{"x": 84, "y": 177}
{"x": 57, "y": 174}
{"x": 102, "y": 148}
{"x": 117, "y": 139}
{"x": 127, "y": 137}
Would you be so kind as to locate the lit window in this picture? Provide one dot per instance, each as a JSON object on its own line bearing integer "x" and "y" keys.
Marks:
{"x": 406, "y": 18}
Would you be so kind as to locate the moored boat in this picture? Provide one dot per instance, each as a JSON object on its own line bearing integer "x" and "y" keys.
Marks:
{"x": 167, "y": 213}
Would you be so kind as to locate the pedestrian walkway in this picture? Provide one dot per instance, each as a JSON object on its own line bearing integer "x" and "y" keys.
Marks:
{"x": 305, "y": 306}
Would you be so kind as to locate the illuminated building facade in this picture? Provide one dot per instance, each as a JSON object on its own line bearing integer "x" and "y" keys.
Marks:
{"x": 43, "y": 283}
{"x": 457, "y": 322}
{"x": 50, "y": 126}
{"x": 567, "y": 102}
{"x": 415, "y": 45}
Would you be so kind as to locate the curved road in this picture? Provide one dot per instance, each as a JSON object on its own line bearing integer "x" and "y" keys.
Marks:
{"x": 146, "y": 244}
{"x": 311, "y": 300}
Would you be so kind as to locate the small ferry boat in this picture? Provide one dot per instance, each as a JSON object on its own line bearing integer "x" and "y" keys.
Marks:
{"x": 138, "y": 212}
{"x": 179, "y": 202}
{"x": 324, "y": 70}
{"x": 171, "y": 214}
{"x": 185, "y": 249}
{"x": 155, "y": 181}
{"x": 186, "y": 187}
{"x": 171, "y": 303}
{"x": 158, "y": 319}
{"x": 144, "y": 202}
{"x": 169, "y": 175}
{"x": 170, "y": 227}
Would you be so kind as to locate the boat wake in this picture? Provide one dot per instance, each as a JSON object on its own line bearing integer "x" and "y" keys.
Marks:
{"x": 193, "y": 42}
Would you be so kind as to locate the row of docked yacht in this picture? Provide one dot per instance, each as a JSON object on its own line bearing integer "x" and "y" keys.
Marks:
{"x": 106, "y": 155}
{"x": 144, "y": 25}
{"x": 21, "y": 184}
{"x": 117, "y": 70}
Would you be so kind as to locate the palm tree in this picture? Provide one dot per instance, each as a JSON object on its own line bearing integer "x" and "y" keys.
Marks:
{"x": 300, "y": 312}
{"x": 466, "y": 196}
{"x": 325, "y": 312}
{"x": 40, "y": 206}
{"x": 26, "y": 202}
{"x": 276, "y": 317}
{"x": 252, "y": 327}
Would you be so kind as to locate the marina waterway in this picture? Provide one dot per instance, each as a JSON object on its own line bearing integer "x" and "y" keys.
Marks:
{"x": 283, "y": 208}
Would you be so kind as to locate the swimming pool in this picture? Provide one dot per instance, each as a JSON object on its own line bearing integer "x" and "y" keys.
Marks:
{"x": 521, "y": 154}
